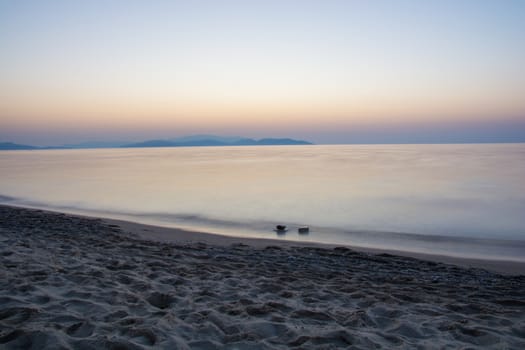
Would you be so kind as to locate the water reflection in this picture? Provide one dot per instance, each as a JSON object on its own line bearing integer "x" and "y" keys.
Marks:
{"x": 451, "y": 190}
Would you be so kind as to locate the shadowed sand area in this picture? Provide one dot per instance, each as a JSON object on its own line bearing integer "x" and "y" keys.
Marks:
{"x": 75, "y": 282}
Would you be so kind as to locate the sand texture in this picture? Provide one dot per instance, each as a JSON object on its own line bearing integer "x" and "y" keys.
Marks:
{"x": 69, "y": 282}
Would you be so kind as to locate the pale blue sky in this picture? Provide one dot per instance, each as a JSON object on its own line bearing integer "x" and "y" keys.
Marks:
{"x": 326, "y": 70}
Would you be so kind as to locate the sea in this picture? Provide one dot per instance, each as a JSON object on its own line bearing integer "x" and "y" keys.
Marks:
{"x": 462, "y": 200}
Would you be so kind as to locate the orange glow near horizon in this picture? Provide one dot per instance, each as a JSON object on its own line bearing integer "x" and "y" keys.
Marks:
{"x": 359, "y": 109}
{"x": 240, "y": 66}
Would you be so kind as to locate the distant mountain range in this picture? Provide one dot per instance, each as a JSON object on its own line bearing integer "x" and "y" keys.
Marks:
{"x": 10, "y": 146}
{"x": 14, "y": 146}
{"x": 186, "y": 141}
{"x": 199, "y": 142}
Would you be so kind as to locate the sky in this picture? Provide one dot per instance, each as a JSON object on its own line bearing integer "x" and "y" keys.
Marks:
{"x": 328, "y": 71}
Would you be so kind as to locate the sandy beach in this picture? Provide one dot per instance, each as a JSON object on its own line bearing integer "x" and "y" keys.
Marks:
{"x": 71, "y": 282}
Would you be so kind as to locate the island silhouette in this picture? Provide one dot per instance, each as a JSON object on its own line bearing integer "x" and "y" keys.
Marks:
{"x": 186, "y": 141}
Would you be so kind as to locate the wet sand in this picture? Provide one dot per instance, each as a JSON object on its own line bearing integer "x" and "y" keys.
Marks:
{"x": 84, "y": 283}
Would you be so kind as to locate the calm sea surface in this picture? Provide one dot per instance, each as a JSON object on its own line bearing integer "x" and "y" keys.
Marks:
{"x": 460, "y": 200}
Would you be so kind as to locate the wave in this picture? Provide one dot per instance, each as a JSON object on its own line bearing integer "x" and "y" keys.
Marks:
{"x": 480, "y": 248}
{"x": 7, "y": 198}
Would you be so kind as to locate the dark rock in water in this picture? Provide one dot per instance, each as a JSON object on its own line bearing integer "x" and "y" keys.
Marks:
{"x": 303, "y": 229}
{"x": 280, "y": 227}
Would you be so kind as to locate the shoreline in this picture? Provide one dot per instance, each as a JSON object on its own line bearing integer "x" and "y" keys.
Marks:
{"x": 183, "y": 236}
{"x": 70, "y": 281}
